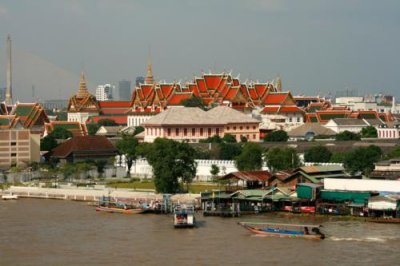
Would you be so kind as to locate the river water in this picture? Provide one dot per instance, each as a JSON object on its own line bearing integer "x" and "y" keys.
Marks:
{"x": 52, "y": 232}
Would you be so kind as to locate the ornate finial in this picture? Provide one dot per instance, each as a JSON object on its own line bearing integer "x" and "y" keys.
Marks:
{"x": 82, "y": 92}
{"x": 149, "y": 77}
{"x": 278, "y": 84}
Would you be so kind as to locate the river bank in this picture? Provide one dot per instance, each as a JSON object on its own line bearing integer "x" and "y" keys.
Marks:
{"x": 94, "y": 195}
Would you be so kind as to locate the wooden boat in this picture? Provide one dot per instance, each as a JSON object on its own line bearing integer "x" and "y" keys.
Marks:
{"x": 184, "y": 216}
{"x": 127, "y": 210}
{"x": 10, "y": 196}
{"x": 385, "y": 220}
{"x": 305, "y": 231}
{"x": 106, "y": 205}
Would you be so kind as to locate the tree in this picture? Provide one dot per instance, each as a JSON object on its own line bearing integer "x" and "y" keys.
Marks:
{"x": 138, "y": 130}
{"x": 100, "y": 167}
{"x": 282, "y": 159}
{"x": 318, "y": 154}
{"x": 347, "y": 135}
{"x": 395, "y": 153}
{"x": 92, "y": 128}
{"x": 194, "y": 101}
{"x": 228, "y": 151}
{"x": 48, "y": 143}
{"x": 214, "y": 172}
{"x": 278, "y": 136}
{"x": 127, "y": 146}
{"x": 243, "y": 139}
{"x": 369, "y": 132}
{"x": 171, "y": 162}
{"x": 213, "y": 139}
{"x": 338, "y": 157}
{"x": 250, "y": 158}
{"x": 229, "y": 138}
{"x": 362, "y": 159}
{"x": 61, "y": 133}
{"x": 107, "y": 123}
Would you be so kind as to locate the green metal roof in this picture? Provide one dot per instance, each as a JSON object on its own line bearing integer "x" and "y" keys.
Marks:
{"x": 332, "y": 116}
{"x": 354, "y": 196}
{"x": 66, "y": 126}
{"x": 5, "y": 121}
{"x": 313, "y": 119}
{"x": 23, "y": 110}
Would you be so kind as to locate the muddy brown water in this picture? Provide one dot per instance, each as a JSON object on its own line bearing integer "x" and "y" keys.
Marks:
{"x": 55, "y": 232}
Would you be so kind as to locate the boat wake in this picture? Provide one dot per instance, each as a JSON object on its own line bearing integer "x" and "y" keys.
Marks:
{"x": 364, "y": 239}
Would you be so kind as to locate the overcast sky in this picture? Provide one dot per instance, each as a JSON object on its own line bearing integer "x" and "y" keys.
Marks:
{"x": 315, "y": 46}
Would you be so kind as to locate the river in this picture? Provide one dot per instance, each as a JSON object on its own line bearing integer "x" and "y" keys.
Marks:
{"x": 56, "y": 232}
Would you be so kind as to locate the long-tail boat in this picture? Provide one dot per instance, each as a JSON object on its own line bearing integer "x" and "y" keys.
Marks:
{"x": 184, "y": 216}
{"x": 305, "y": 231}
{"x": 105, "y": 205}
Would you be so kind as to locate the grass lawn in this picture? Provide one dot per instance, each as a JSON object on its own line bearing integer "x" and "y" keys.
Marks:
{"x": 193, "y": 188}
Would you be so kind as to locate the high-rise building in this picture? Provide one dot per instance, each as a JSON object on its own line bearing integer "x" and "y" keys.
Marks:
{"x": 105, "y": 92}
{"x": 124, "y": 89}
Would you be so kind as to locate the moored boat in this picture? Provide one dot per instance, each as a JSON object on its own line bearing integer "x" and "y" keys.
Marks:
{"x": 384, "y": 220}
{"x": 105, "y": 205}
{"x": 184, "y": 216}
{"x": 10, "y": 196}
{"x": 305, "y": 231}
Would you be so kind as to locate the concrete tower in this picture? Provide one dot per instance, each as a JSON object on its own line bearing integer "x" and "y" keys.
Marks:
{"x": 8, "y": 99}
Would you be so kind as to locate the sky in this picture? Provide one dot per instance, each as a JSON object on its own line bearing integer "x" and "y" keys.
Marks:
{"x": 317, "y": 47}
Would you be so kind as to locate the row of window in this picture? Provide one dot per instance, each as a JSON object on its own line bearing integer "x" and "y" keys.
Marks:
{"x": 240, "y": 128}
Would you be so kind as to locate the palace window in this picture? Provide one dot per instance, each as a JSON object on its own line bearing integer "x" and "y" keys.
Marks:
{"x": 201, "y": 131}
{"x": 193, "y": 131}
{"x": 217, "y": 131}
{"x": 176, "y": 131}
{"x": 185, "y": 132}
{"x": 209, "y": 132}
{"x": 240, "y": 127}
{"x": 169, "y": 132}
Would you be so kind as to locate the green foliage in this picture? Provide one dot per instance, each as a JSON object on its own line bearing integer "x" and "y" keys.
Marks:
{"x": 338, "y": 157}
{"x": 319, "y": 154}
{"x": 61, "y": 133}
{"x": 395, "y": 153}
{"x": 138, "y": 130}
{"x": 171, "y": 162}
{"x": 128, "y": 147}
{"x": 194, "y": 101}
{"x": 213, "y": 139}
{"x": 347, "y": 135}
{"x": 362, "y": 159}
{"x": 282, "y": 159}
{"x": 228, "y": 151}
{"x": 62, "y": 116}
{"x": 243, "y": 139}
{"x": 214, "y": 171}
{"x": 107, "y": 123}
{"x": 100, "y": 166}
{"x": 250, "y": 158}
{"x": 369, "y": 132}
{"x": 278, "y": 136}
{"x": 48, "y": 143}
{"x": 92, "y": 128}
{"x": 229, "y": 138}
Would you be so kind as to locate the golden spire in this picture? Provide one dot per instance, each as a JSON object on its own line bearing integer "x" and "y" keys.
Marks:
{"x": 82, "y": 92}
{"x": 149, "y": 77}
{"x": 278, "y": 84}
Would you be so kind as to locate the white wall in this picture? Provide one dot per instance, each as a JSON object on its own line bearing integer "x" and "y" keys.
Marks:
{"x": 362, "y": 185}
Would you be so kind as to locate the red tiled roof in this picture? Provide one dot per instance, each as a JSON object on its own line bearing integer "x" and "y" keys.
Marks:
{"x": 212, "y": 81}
{"x": 290, "y": 109}
{"x": 261, "y": 89}
{"x": 231, "y": 94}
{"x": 121, "y": 120}
{"x": 251, "y": 176}
{"x": 177, "y": 99}
{"x": 201, "y": 85}
{"x": 166, "y": 89}
{"x": 84, "y": 144}
{"x": 270, "y": 109}
{"x": 276, "y": 98}
{"x": 115, "y": 104}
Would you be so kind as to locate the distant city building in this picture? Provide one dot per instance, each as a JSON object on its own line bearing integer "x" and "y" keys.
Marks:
{"x": 105, "y": 92}
{"x": 124, "y": 89}
{"x": 57, "y": 104}
{"x": 139, "y": 80}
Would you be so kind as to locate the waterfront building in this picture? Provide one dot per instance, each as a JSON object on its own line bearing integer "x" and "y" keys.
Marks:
{"x": 389, "y": 169}
{"x": 193, "y": 124}
{"x": 82, "y": 148}
{"x": 105, "y": 92}
{"x": 18, "y": 146}
{"x": 124, "y": 89}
